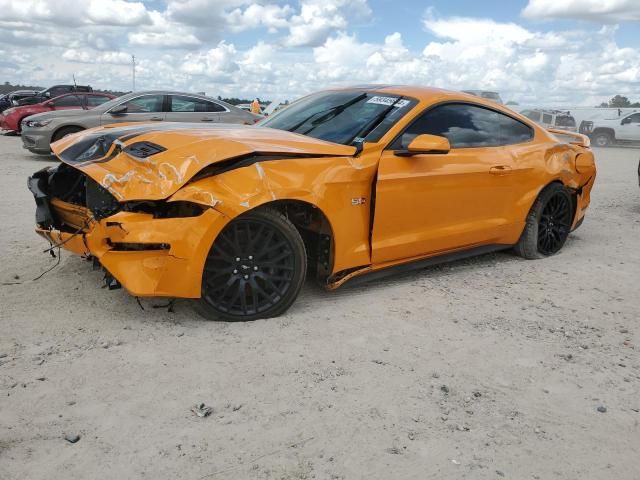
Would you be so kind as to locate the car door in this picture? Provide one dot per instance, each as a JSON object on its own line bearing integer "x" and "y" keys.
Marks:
{"x": 437, "y": 202}
{"x": 183, "y": 108}
{"x": 629, "y": 128}
{"x": 145, "y": 108}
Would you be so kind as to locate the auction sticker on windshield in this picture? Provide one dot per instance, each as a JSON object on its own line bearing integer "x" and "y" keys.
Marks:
{"x": 388, "y": 101}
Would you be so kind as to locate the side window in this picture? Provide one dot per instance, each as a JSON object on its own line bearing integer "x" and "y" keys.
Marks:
{"x": 57, "y": 91}
{"x": 95, "y": 100}
{"x": 635, "y": 118}
{"x": 546, "y": 118}
{"x": 191, "y": 104}
{"x": 145, "y": 104}
{"x": 467, "y": 126}
{"x": 67, "y": 101}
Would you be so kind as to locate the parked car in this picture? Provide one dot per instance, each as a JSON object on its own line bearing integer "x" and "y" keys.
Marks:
{"x": 12, "y": 118}
{"x": 606, "y": 132}
{"x": 12, "y": 98}
{"x": 495, "y": 96}
{"x": 53, "y": 92}
{"x": 39, "y": 131}
{"x": 358, "y": 183}
{"x": 561, "y": 120}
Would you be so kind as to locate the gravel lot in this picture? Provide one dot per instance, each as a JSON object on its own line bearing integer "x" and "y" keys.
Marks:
{"x": 493, "y": 367}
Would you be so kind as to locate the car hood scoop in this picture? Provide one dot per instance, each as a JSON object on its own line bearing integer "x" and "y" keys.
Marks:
{"x": 153, "y": 161}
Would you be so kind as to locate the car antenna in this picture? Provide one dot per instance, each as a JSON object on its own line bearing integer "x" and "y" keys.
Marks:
{"x": 74, "y": 80}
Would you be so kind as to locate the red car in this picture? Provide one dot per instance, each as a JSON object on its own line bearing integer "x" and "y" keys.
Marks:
{"x": 11, "y": 118}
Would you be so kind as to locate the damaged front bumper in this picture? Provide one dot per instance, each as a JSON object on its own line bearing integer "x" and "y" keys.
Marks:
{"x": 148, "y": 256}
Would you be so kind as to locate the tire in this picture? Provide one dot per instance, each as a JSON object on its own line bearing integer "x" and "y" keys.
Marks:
{"x": 602, "y": 139}
{"x": 548, "y": 224}
{"x": 255, "y": 269}
{"x": 63, "y": 132}
{"x": 19, "y": 130}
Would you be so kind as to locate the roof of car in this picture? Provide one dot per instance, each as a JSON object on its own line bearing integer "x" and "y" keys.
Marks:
{"x": 174, "y": 92}
{"x": 430, "y": 94}
{"x": 22, "y": 92}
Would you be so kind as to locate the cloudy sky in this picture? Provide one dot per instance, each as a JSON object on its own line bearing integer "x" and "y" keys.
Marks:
{"x": 551, "y": 52}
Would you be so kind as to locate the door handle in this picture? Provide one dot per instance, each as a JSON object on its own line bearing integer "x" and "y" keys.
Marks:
{"x": 156, "y": 119}
{"x": 500, "y": 170}
{"x": 205, "y": 119}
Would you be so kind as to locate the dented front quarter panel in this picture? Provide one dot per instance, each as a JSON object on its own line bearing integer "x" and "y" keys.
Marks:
{"x": 330, "y": 184}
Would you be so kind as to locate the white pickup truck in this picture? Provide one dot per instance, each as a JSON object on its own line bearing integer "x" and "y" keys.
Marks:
{"x": 605, "y": 132}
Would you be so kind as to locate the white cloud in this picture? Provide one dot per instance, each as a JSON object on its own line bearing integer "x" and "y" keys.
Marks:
{"x": 69, "y": 12}
{"x": 116, "y": 12}
{"x": 217, "y": 63}
{"x": 600, "y": 11}
{"x": 166, "y": 40}
{"x": 272, "y": 17}
{"x": 319, "y": 18}
{"x": 87, "y": 56}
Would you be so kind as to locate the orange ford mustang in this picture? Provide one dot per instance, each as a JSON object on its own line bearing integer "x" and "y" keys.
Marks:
{"x": 351, "y": 184}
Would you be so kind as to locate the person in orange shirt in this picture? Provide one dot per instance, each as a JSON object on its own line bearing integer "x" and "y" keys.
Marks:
{"x": 255, "y": 107}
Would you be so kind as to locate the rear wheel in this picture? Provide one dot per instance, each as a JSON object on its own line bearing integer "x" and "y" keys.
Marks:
{"x": 63, "y": 132}
{"x": 548, "y": 224}
{"x": 602, "y": 139}
{"x": 255, "y": 268}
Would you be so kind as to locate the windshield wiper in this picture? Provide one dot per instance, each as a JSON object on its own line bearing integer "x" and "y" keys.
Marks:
{"x": 373, "y": 123}
{"x": 327, "y": 114}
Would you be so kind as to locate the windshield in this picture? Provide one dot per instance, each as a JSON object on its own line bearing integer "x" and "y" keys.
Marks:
{"x": 344, "y": 116}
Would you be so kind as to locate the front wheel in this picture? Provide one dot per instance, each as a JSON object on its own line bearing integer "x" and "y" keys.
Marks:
{"x": 65, "y": 131}
{"x": 255, "y": 268}
{"x": 602, "y": 140}
{"x": 548, "y": 224}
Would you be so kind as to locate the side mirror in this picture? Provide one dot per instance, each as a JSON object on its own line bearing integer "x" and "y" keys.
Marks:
{"x": 119, "y": 110}
{"x": 425, "y": 144}
{"x": 625, "y": 121}
{"x": 47, "y": 94}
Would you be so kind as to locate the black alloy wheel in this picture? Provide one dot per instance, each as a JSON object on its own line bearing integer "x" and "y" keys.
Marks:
{"x": 548, "y": 224}
{"x": 555, "y": 224}
{"x": 255, "y": 268}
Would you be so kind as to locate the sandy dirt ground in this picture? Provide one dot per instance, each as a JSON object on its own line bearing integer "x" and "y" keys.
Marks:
{"x": 489, "y": 368}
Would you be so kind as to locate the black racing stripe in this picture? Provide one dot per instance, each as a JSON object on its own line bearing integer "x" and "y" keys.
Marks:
{"x": 98, "y": 147}
{"x": 95, "y": 147}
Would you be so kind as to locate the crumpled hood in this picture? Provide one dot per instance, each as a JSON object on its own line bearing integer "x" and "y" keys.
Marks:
{"x": 152, "y": 161}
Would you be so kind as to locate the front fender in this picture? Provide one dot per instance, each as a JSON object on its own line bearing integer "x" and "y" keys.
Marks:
{"x": 329, "y": 184}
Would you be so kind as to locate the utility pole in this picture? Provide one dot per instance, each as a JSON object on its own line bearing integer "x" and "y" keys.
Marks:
{"x": 133, "y": 70}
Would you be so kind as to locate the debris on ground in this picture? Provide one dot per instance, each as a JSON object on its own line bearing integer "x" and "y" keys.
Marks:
{"x": 202, "y": 410}
{"x": 72, "y": 437}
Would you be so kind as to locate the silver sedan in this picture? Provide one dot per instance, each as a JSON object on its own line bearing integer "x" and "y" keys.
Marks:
{"x": 39, "y": 131}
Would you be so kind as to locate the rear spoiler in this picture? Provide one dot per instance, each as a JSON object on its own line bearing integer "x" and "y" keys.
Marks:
{"x": 579, "y": 139}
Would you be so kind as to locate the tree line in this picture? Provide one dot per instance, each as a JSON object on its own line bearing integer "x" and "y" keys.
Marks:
{"x": 619, "y": 101}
